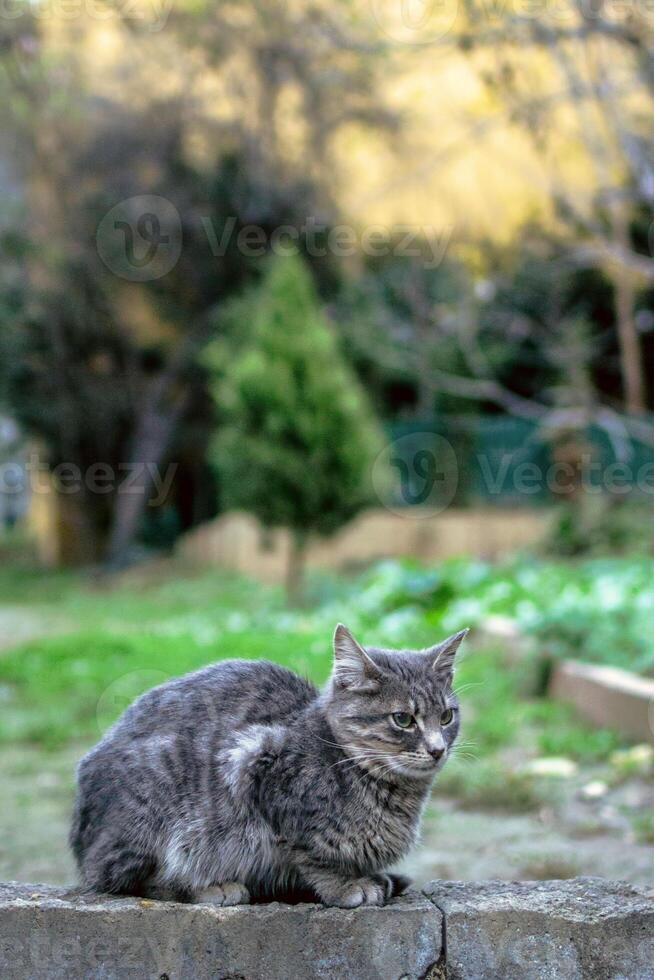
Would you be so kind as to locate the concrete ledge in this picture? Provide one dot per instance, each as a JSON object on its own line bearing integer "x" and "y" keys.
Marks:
{"x": 607, "y": 696}
{"x": 237, "y": 541}
{"x": 582, "y": 929}
{"x": 49, "y": 933}
{"x": 585, "y": 928}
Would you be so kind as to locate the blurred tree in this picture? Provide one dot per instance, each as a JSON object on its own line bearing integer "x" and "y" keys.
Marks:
{"x": 102, "y": 365}
{"x": 297, "y": 439}
{"x": 429, "y": 339}
{"x": 589, "y": 82}
{"x": 298, "y": 75}
{"x": 537, "y": 295}
{"x": 400, "y": 317}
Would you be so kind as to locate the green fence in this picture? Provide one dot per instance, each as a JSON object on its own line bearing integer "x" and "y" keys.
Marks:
{"x": 506, "y": 461}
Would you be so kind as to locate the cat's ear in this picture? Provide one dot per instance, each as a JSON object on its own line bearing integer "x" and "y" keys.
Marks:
{"x": 442, "y": 655}
{"x": 353, "y": 668}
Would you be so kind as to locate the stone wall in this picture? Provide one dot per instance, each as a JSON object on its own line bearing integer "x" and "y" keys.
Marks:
{"x": 237, "y": 541}
{"x": 583, "y": 929}
{"x": 607, "y": 696}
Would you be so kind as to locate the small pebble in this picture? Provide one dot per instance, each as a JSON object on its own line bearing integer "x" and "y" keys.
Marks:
{"x": 552, "y": 766}
{"x": 595, "y": 789}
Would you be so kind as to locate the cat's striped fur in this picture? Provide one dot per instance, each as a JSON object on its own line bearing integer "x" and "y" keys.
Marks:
{"x": 243, "y": 779}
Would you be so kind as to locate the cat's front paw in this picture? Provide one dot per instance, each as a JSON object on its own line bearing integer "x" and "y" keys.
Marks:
{"x": 229, "y": 893}
{"x": 361, "y": 891}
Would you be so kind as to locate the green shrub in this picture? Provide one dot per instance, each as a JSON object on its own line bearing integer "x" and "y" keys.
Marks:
{"x": 297, "y": 437}
{"x": 489, "y": 785}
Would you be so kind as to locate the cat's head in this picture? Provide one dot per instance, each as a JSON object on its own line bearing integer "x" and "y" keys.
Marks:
{"x": 394, "y": 711}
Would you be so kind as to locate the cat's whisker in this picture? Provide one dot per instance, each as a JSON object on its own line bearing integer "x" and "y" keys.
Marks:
{"x": 355, "y": 760}
{"x": 466, "y": 687}
{"x": 463, "y": 754}
{"x": 328, "y": 742}
{"x": 368, "y": 774}
{"x": 384, "y": 770}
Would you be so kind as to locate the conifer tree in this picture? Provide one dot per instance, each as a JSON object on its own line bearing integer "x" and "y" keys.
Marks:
{"x": 297, "y": 436}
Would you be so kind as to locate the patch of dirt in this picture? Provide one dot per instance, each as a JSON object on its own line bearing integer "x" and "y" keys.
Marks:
{"x": 21, "y": 625}
{"x": 471, "y": 844}
{"x": 37, "y": 797}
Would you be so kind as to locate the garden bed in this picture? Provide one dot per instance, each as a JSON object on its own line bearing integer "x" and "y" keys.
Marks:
{"x": 495, "y": 807}
{"x": 607, "y": 696}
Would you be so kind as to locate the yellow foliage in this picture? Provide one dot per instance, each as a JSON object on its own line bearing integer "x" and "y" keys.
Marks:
{"x": 461, "y": 161}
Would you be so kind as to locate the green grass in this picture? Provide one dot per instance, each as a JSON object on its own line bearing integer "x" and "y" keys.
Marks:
{"x": 643, "y": 826}
{"x": 600, "y": 610}
{"x": 100, "y": 643}
{"x": 490, "y": 785}
{"x": 116, "y": 639}
{"x": 74, "y": 686}
{"x": 70, "y": 686}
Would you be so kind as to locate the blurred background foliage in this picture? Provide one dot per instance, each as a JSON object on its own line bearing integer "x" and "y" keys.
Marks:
{"x": 514, "y": 151}
{"x": 296, "y": 439}
{"x": 531, "y": 791}
{"x": 341, "y": 231}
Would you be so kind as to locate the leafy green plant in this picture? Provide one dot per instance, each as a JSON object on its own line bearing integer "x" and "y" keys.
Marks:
{"x": 297, "y": 438}
{"x": 103, "y": 645}
{"x": 643, "y": 825}
{"x": 491, "y": 786}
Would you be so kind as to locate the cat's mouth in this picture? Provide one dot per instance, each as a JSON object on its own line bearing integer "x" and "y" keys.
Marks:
{"x": 421, "y": 766}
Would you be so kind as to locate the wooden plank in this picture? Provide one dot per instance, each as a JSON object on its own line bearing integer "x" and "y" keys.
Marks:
{"x": 607, "y": 696}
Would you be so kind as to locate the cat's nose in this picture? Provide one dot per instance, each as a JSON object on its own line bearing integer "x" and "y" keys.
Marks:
{"x": 435, "y": 744}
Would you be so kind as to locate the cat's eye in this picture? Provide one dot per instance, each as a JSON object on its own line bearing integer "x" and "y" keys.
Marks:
{"x": 447, "y": 716}
{"x": 403, "y": 719}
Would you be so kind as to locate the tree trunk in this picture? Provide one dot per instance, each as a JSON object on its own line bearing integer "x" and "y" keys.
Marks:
{"x": 295, "y": 568}
{"x": 630, "y": 352}
{"x": 152, "y": 439}
{"x": 426, "y": 401}
{"x": 631, "y": 357}
{"x": 78, "y": 539}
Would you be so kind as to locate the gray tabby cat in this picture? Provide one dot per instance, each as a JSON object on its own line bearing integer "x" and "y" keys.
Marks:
{"x": 243, "y": 780}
